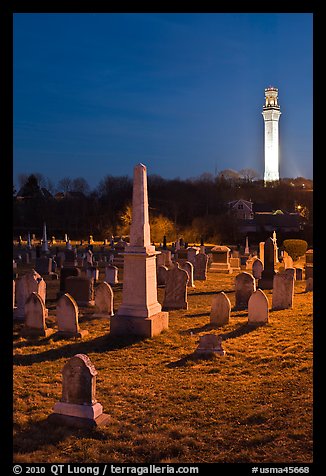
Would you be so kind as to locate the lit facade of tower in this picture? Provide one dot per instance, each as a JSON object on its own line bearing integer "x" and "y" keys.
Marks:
{"x": 271, "y": 113}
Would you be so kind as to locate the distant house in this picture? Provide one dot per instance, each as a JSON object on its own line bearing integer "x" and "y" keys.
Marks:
{"x": 241, "y": 209}
{"x": 278, "y": 220}
{"x": 26, "y": 193}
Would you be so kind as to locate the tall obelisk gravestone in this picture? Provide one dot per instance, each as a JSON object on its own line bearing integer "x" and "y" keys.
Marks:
{"x": 140, "y": 313}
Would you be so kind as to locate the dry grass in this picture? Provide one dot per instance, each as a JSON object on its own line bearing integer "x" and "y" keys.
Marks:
{"x": 253, "y": 405}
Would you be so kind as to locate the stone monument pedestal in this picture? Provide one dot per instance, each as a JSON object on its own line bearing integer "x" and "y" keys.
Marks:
{"x": 139, "y": 326}
{"x": 78, "y": 416}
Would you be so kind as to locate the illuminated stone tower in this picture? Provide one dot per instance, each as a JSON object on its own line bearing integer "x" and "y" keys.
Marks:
{"x": 271, "y": 113}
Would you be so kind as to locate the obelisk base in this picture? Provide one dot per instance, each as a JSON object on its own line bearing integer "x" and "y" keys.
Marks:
{"x": 139, "y": 326}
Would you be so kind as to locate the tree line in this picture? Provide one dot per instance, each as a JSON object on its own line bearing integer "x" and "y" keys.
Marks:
{"x": 194, "y": 208}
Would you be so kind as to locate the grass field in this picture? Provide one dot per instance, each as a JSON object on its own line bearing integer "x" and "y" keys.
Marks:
{"x": 253, "y": 405}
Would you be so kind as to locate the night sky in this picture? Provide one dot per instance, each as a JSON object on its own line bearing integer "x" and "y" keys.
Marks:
{"x": 95, "y": 94}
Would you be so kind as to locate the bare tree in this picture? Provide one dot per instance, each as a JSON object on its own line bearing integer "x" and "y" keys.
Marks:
{"x": 248, "y": 174}
{"x": 65, "y": 185}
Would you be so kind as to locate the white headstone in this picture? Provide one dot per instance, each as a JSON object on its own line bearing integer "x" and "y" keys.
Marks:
{"x": 189, "y": 268}
{"x": 35, "y": 313}
{"x": 67, "y": 317}
{"x": 283, "y": 290}
{"x": 104, "y": 300}
{"x": 258, "y": 308}
{"x": 25, "y": 286}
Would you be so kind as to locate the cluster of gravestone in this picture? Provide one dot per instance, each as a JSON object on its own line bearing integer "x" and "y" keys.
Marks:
{"x": 29, "y": 298}
{"x": 140, "y": 313}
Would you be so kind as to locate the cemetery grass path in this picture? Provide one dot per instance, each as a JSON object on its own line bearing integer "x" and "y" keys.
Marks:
{"x": 253, "y": 405}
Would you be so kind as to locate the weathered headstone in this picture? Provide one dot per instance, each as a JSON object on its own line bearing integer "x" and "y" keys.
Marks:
{"x": 210, "y": 345}
{"x": 67, "y": 317}
{"x": 161, "y": 275}
{"x": 257, "y": 268}
{"x": 191, "y": 254}
{"x": 103, "y": 300}
{"x": 283, "y": 290}
{"x": 175, "y": 296}
{"x": 81, "y": 289}
{"x": 266, "y": 280}
{"x": 200, "y": 267}
{"x": 309, "y": 285}
{"x": 287, "y": 260}
{"x": 35, "y": 313}
{"x": 93, "y": 272}
{"x": 299, "y": 274}
{"x": 220, "y": 309}
{"x": 140, "y": 313}
{"x": 258, "y": 308}
{"x": 25, "y": 286}
{"x": 111, "y": 274}
{"x": 245, "y": 285}
{"x": 78, "y": 406}
{"x": 189, "y": 268}
{"x": 235, "y": 264}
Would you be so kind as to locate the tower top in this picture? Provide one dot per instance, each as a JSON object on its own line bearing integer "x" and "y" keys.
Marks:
{"x": 271, "y": 96}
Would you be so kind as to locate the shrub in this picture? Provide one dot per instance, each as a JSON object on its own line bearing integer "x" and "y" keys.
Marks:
{"x": 295, "y": 248}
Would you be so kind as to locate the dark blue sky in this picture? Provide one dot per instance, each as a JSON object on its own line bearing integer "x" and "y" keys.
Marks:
{"x": 94, "y": 94}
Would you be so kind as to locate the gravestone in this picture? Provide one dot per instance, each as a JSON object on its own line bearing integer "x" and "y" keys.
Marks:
{"x": 161, "y": 275}
{"x": 93, "y": 272}
{"x": 261, "y": 251}
{"x": 89, "y": 258}
{"x": 103, "y": 300}
{"x": 175, "y": 296}
{"x": 210, "y": 345}
{"x": 35, "y": 313}
{"x": 70, "y": 258}
{"x": 64, "y": 274}
{"x": 221, "y": 260}
{"x": 299, "y": 274}
{"x": 168, "y": 257}
{"x": 220, "y": 309}
{"x": 247, "y": 251}
{"x": 78, "y": 406}
{"x": 67, "y": 317}
{"x": 287, "y": 260}
{"x": 258, "y": 308}
{"x": 191, "y": 254}
{"x": 189, "y": 268}
{"x": 13, "y": 294}
{"x": 245, "y": 285}
{"x": 44, "y": 241}
{"x": 257, "y": 268}
{"x": 111, "y": 274}
{"x": 266, "y": 280}
{"x": 235, "y": 264}
{"x": 140, "y": 313}
{"x": 25, "y": 286}
{"x": 283, "y": 290}
{"x": 200, "y": 267}
{"x": 43, "y": 265}
{"x": 81, "y": 289}
{"x": 309, "y": 285}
